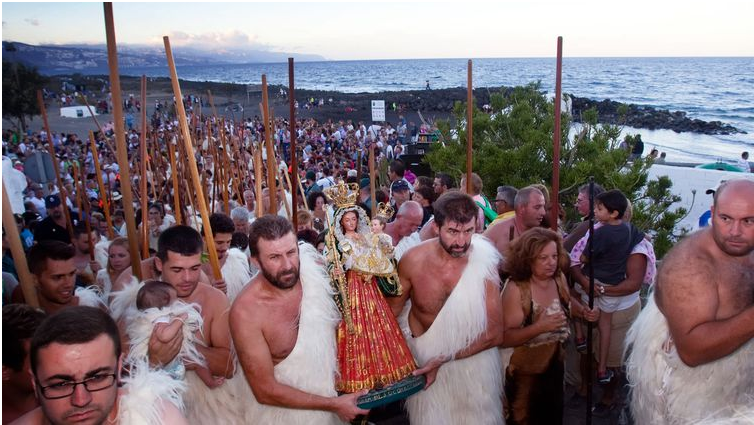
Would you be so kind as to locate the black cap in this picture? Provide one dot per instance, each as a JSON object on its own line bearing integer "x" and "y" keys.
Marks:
{"x": 399, "y": 185}
{"x": 52, "y": 201}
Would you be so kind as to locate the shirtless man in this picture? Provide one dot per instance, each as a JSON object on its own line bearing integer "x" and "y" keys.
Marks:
{"x": 179, "y": 263}
{"x": 54, "y": 271}
{"x": 87, "y": 268}
{"x": 19, "y": 323}
{"x": 699, "y": 326}
{"x": 283, "y": 325}
{"x": 75, "y": 365}
{"x": 529, "y": 204}
{"x": 454, "y": 274}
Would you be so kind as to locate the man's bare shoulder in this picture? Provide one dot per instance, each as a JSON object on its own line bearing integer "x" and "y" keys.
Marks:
{"x": 34, "y": 417}
{"x": 418, "y": 253}
{"x": 210, "y": 298}
{"x": 688, "y": 268}
{"x": 499, "y": 229}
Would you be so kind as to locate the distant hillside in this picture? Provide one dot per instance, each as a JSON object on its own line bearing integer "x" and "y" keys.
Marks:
{"x": 92, "y": 59}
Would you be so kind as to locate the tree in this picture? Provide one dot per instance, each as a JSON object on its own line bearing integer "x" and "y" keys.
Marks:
{"x": 20, "y": 85}
{"x": 513, "y": 146}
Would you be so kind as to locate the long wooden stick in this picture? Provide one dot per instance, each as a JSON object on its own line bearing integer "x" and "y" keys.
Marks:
{"x": 372, "y": 177}
{"x": 77, "y": 191}
{"x": 174, "y": 178}
{"x": 258, "y": 179}
{"x": 143, "y": 181}
{"x": 82, "y": 199}
{"x": 120, "y": 142}
{"x": 271, "y": 163}
{"x": 556, "y": 140}
{"x": 101, "y": 185}
{"x": 25, "y": 278}
{"x": 55, "y": 165}
{"x": 226, "y": 168}
{"x": 208, "y": 237}
{"x": 293, "y": 139}
{"x": 469, "y": 129}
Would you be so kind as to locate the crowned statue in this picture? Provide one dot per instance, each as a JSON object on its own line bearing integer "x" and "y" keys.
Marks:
{"x": 372, "y": 353}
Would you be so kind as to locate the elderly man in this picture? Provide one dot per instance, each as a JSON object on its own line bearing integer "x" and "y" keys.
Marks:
{"x": 242, "y": 219}
{"x": 529, "y": 204}
{"x": 699, "y": 325}
{"x": 504, "y": 201}
{"x": 404, "y": 229}
{"x": 76, "y": 363}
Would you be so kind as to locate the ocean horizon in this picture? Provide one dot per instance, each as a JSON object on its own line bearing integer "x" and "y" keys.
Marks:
{"x": 706, "y": 88}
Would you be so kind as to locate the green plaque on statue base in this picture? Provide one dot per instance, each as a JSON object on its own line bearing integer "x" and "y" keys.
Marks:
{"x": 404, "y": 388}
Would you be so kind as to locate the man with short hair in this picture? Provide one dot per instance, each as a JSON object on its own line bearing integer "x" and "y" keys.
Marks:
{"x": 455, "y": 319}
{"x": 76, "y": 362}
{"x": 699, "y": 325}
{"x": 582, "y": 207}
{"x": 529, "y": 205}
{"x": 504, "y": 201}
{"x": 86, "y": 267}
{"x": 19, "y": 323}
{"x": 38, "y": 200}
{"x": 399, "y": 193}
{"x": 443, "y": 182}
{"x": 241, "y": 219}
{"x": 54, "y": 226}
{"x": 234, "y": 266}
{"x": 54, "y": 271}
{"x": 283, "y": 326}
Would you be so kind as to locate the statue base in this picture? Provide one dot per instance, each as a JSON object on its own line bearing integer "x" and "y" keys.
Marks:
{"x": 404, "y": 388}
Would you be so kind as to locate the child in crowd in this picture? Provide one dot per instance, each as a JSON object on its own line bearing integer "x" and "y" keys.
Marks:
{"x": 161, "y": 311}
{"x": 611, "y": 244}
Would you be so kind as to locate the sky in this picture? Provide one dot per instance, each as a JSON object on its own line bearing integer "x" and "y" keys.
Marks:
{"x": 402, "y": 30}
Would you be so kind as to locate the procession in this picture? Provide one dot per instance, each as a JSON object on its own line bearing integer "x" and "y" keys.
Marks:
{"x": 184, "y": 266}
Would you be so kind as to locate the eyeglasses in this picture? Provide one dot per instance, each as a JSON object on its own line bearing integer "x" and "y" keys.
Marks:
{"x": 67, "y": 388}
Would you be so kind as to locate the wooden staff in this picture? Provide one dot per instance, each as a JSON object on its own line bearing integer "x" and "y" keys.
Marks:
{"x": 143, "y": 181}
{"x": 285, "y": 198}
{"x": 590, "y": 325}
{"x": 293, "y": 140}
{"x": 25, "y": 278}
{"x": 107, "y": 141}
{"x": 372, "y": 174}
{"x": 271, "y": 170}
{"x": 469, "y": 129}
{"x": 556, "y": 140}
{"x": 82, "y": 199}
{"x": 174, "y": 178}
{"x": 101, "y": 185}
{"x": 225, "y": 169}
{"x": 303, "y": 194}
{"x": 55, "y": 165}
{"x": 120, "y": 142}
{"x": 214, "y": 261}
{"x": 258, "y": 179}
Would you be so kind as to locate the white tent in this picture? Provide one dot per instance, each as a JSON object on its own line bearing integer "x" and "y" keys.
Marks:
{"x": 75, "y": 112}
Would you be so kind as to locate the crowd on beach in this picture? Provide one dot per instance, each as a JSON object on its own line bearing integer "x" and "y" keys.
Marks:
{"x": 494, "y": 305}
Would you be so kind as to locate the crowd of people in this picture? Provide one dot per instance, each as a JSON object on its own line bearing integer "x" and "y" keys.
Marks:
{"x": 424, "y": 277}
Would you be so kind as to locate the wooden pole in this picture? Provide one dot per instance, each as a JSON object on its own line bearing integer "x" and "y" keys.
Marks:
{"x": 101, "y": 185}
{"x": 208, "y": 237}
{"x": 83, "y": 200}
{"x": 293, "y": 139}
{"x": 590, "y": 325}
{"x": 55, "y": 164}
{"x": 258, "y": 179}
{"x": 271, "y": 163}
{"x": 174, "y": 178}
{"x": 25, "y": 278}
{"x": 556, "y": 140}
{"x": 120, "y": 142}
{"x": 77, "y": 192}
{"x": 469, "y": 128}
{"x": 226, "y": 168}
{"x": 372, "y": 177}
{"x": 143, "y": 181}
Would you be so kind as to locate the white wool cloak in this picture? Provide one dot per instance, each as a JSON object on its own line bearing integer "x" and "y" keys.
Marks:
{"x": 236, "y": 272}
{"x": 89, "y": 296}
{"x": 467, "y": 390}
{"x": 312, "y": 364}
{"x": 147, "y": 389}
{"x": 664, "y": 390}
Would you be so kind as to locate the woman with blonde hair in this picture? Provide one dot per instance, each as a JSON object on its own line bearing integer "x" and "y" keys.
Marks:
{"x": 118, "y": 259}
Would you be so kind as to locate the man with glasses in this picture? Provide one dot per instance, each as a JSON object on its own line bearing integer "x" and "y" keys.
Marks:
{"x": 582, "y": 207}
{"x": 504, "y": 203}
{"x": 75, "y": 365}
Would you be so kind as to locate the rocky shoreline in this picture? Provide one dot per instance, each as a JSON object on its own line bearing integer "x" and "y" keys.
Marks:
{"x": 433, "y": 104}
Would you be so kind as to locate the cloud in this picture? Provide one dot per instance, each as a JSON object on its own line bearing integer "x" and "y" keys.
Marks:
{"x": 214, "y": 40}
{"x": 32, "y": 21}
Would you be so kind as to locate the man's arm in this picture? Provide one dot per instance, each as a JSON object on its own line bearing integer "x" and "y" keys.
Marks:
{"x": 256, "y": 361}
{"x": 217, "y": 351}
{"x": 688, "y": 298}
{"x": 404, "y": 277}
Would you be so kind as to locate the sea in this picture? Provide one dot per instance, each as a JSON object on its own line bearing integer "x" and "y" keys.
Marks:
{"x": 710, "y": 89}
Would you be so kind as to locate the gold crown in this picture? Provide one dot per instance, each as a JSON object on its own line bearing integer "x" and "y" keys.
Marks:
{"x": 343, "y": 195}
{"x": 385, "y": 210}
